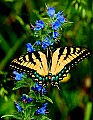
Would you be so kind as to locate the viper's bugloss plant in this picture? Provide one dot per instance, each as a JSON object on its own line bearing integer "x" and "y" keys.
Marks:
{"x": 29, "y": 47}
{"x": 42, "y": 110}
{"x": 18, "y": 76}
{"x": 26, "y": 99}
{"x": 34, "y": 105}
{"x": 19, "y": 108}
{"x": 39, "y": 88}
{"x": 48, "y": 29}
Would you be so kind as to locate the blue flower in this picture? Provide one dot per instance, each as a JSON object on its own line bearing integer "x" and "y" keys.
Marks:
{"x": 60, "y": 17}
{"x": 55, "y": 34}
{"x": 38, "y": 42}
{"x": 29, "y": 47}
{"x": 39, "y": 88}
{"x": 42, "y": 110}
{"x": 18, "y": 76}
{"x": 29, "y": 99}
{"x": 45, "y": 105}
{"x": 47, "y": 42}
{"x": 51, "y": 11}
{"x": 43, "y": 90}
{"x": 39, "y": 25}
{"x": 58, "y": 14}
{"x": 26, "y": 98}
{"x": 19, "y": 108}
{"x": 56, "y": 25}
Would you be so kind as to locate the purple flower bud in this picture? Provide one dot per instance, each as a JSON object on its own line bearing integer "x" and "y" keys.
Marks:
{"x": 24, "y": 98}
{"x": 32, "y": 26}
{"x": 29, "y": 99}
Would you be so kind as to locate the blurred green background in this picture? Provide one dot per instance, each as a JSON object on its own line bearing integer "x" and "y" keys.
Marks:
{"x": 74, "y": 100}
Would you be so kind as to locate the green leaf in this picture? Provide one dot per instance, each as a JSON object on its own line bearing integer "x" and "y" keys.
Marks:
{"x": 14, "y": 116}
{"x": 23, "y": 83}
{"x": 45, "y": 118}
{"x": 9, "y": 0}
{"x": 47, "y": 98}
{"x": 88, "y": 111}
{"x": 7, "y": 116}
{"x": 20, "y": 84}
{"x": 41, "y": 117}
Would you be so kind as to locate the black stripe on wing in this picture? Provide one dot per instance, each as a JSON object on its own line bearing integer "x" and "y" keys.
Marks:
{"x": 20, "y": 68}
{"x": 82, "y": 55}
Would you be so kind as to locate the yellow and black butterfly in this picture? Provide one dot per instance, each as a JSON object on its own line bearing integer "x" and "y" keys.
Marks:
{"x": 49, "y": 66}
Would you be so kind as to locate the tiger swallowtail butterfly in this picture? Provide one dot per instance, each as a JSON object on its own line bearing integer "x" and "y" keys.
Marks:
{"x": 49, "y": 66}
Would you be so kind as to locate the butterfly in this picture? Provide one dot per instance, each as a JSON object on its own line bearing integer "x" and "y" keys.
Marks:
{"x": 49, "y": 66}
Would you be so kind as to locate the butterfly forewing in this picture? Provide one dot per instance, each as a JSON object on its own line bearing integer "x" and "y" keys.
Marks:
{"x": 30, "y": 62}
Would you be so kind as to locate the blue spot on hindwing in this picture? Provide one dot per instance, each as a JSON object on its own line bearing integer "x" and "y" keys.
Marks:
{"x": 53, "y": 78}
{"x": 43, "y": 79}
{"x": 40, "y": 78}
{"x": 59, "y": 74}
{"x": 46, "y": 78}
{"x": 63, "y": 70}
{"x": 57, "y": 78}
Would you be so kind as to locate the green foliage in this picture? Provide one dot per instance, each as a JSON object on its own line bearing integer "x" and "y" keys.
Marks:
{"x": 25, "y": 82}
{"x": 29, "y": 109}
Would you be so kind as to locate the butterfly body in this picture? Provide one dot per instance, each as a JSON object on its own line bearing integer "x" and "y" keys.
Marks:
{"x": 49, "y": 66}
